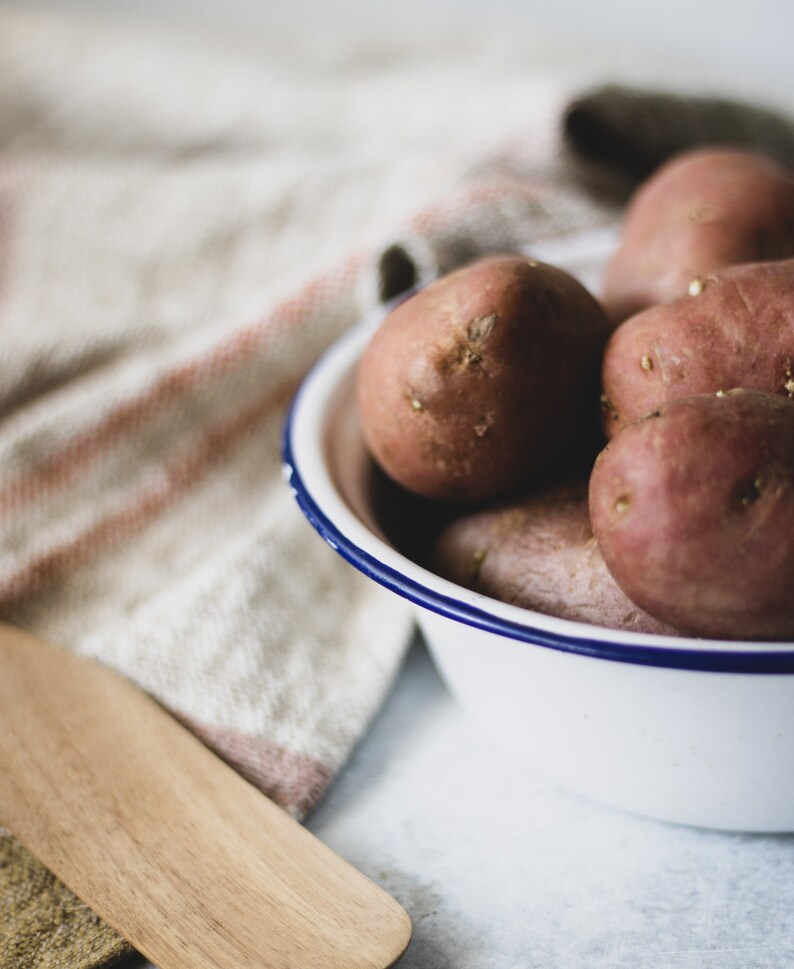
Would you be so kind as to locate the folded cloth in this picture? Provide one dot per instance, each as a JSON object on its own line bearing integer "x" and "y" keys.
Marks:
{"x": 632, "y": 131}
{"x": 184, "y": 226}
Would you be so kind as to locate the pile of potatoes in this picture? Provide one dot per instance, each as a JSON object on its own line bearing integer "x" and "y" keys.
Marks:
{"x": 628, "y": 462}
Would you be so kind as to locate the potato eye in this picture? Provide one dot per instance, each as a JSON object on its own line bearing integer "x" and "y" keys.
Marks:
{"x": 749, "y": 491}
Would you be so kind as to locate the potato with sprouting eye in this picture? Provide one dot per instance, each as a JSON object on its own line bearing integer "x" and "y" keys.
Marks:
{"x": 484, "y": 380}
{"x": 704, "y": 210}
{"x": 693, "y": 510}
{"x": 737, "y": 330}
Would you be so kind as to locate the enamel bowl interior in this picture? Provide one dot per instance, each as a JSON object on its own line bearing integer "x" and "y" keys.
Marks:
{"x": 688, "y": 730}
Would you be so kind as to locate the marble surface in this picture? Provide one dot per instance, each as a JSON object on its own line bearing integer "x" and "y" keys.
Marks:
{"x": 500, "y": 869}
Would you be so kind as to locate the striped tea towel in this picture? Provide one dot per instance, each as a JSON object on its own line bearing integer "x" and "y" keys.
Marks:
{"x": 185, "y": 224}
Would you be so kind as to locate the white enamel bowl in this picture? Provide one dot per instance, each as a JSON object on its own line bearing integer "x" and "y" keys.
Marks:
{"x": 687, "y": 730}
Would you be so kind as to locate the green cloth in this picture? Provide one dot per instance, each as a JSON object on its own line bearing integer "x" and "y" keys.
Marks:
{"x": 43, "y": 925}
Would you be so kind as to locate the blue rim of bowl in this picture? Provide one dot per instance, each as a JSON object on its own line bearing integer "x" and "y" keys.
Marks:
{"x": 707, "y": 658}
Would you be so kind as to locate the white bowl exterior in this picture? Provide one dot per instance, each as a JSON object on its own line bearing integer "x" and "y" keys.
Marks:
{"x": 701, "y": 748}
{"x": 713, "y": 749}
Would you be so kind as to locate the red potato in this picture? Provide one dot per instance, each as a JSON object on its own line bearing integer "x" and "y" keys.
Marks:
{"x": 704, "y": 210}
{"x": 483, "y": 381}
{"x": 539, "y": 552}
{"x": 738, "y": 331}
{"x": 693, "y": 510}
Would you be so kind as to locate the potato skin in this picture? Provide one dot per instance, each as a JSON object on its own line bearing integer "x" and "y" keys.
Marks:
{"x": 483, "y": 380}
{"x": 539, "y": 552}
{"x": 704, "y": 210}
{"x": 693, "y": 510}
{"x": 737, "y": 332}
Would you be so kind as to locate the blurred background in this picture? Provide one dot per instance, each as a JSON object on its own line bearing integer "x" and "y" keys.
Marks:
{"x": 743, "y": 46}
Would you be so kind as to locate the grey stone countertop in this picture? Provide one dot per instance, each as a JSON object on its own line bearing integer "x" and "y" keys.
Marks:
{"x": 500, "y": 869}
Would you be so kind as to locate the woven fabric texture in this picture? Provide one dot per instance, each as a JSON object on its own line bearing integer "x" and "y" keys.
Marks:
{"x": 185, "y": 224}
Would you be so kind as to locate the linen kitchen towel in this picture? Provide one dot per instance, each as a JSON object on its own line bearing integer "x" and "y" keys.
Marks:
{"x": 185, "y": 224}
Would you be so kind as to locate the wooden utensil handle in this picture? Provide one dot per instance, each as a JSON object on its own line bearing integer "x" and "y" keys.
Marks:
{"x": 162, "y": 839}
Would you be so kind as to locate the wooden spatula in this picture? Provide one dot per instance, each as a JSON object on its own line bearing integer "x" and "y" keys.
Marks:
{"x": 161, "y": 838}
